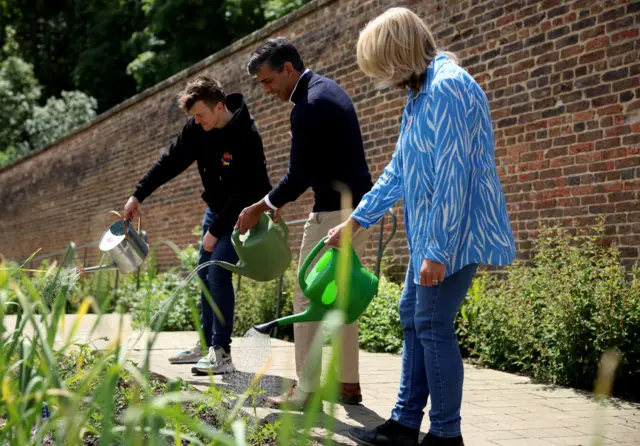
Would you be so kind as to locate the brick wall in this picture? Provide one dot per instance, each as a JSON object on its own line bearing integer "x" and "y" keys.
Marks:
{"x": 562, "y": 77}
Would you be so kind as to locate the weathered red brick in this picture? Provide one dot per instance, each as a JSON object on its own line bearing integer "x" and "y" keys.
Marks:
{"x": 562, "y": 161}
{"x": 562, "y": 78}
{"x": 593, "y": 199}
{"x": 624, "y": 35}
{"x": 581, "y": 147}
{"x": 627, "y": 84}
{"x": 600, "y": 42}
{"x": 624, "y": 163}
{"x": 620, "y": 49}
{"x": 617, "y": 131}
{"x": 610, "y": 110}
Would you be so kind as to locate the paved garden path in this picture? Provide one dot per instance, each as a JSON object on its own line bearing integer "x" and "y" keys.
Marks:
{"x": 498, "y": 408}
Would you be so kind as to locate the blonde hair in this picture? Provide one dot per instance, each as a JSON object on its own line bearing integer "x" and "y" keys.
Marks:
{"x": 396, "y": 48}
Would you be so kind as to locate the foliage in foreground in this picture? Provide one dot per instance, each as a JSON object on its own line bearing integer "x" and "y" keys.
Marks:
{"x": 56, "y": 391}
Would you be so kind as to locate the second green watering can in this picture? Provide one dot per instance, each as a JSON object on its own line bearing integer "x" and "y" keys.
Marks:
{"x": 321, "y": 288}
{"x": 264, "y": 254}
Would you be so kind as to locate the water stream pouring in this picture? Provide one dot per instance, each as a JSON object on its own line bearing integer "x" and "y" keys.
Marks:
{"x": 322, "y": 290}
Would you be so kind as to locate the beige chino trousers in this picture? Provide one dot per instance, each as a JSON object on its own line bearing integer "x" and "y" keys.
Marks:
{"x": 317, "y": 227}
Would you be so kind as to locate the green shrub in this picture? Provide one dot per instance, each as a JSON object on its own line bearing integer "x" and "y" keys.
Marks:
{"x": 256, "y": 303}
{"x": 145, "y": 297}
{"x": 151, "y": 296}
{"x": 379, "y": 326}
{"x": 554, "y": 317}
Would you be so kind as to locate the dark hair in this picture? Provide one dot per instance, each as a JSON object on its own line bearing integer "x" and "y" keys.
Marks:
{"x": 275, "y": 52}
{"x": 202, "y": 88}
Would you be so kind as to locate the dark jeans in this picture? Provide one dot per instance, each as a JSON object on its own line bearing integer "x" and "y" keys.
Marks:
{"x": 219, "y": 280}
{"x": 431, "y": 361}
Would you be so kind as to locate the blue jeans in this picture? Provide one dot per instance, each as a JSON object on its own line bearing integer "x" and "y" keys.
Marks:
{"x": 219, "y": 280}
{"x": 431, "y": 360}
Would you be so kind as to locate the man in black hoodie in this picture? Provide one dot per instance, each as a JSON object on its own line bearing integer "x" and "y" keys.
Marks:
{"x": 221, "y": 136}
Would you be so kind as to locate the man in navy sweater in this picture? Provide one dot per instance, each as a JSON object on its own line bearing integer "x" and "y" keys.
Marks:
{"x": 326, "y": 150}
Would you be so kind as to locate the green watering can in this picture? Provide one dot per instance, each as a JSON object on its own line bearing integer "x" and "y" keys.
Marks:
{"x": 321, "y": 289}
{"x": 264, "y": 254}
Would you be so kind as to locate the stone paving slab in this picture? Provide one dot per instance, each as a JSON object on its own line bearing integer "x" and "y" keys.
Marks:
{"x": 498, "y": 409}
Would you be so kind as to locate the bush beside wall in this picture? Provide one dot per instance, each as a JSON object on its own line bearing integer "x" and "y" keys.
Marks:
{"x": 554, "y": 317}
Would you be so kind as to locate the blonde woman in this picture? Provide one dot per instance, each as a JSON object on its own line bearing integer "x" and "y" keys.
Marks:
{"x": 443, "y": 169}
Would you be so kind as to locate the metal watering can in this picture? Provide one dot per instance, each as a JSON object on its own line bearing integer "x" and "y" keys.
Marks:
{"x": 264, "y": 253}
{"x": 125, "y": 246}
{"x": 322, "y": 290}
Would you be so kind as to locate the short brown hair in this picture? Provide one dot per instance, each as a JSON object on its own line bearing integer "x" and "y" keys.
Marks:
{"x": 202, "y": 88}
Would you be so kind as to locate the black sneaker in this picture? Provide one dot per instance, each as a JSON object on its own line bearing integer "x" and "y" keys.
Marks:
{"x": 432, "y": 440}
{"x": 390, "y": 433}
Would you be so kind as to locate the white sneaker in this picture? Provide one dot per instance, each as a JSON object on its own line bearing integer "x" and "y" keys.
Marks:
{"x": 191, "y": 356}
{"x": 217, "y": 362}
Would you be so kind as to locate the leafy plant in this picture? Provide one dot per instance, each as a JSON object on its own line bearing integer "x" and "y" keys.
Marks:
{"x": 144, "y": 302}
{"x": 556, "y": 316}
{"x": 56, "y": 391}
{"x": 19, "y": 94}
{"x": 379, "y": 326}
{"x": 256, "y": 303}
{"x": 380, "y": 329}
{"x": 275, "y": 9}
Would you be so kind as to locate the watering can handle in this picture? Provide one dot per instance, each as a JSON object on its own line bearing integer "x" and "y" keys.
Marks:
{"x": 236, "y": 233}
{"x": 302, "y": 274}
{"x": 235, "y": 236}
{"x": 124, "y": 223}
{"x": 284, "y": 227}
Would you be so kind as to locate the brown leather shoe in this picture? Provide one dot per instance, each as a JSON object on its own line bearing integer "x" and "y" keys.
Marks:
{"x": 292, "y": 399}
{"x": 350, "y": 393}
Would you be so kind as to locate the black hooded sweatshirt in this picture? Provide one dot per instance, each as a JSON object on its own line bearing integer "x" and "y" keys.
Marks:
{"x": 231, "y": 163}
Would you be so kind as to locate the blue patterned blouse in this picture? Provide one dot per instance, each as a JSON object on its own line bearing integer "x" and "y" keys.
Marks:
{"x": 444, "y": 170}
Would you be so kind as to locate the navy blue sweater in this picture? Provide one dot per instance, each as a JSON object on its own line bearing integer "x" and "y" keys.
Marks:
{"x": 326, "y": 146}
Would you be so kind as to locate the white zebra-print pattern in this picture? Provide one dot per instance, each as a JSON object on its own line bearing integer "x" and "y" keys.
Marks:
{"x": 443, "y": 169}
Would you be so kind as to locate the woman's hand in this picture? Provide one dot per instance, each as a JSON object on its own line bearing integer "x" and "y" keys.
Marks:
{"x": 431, "y": 273}
{"x": 334, "y": 233}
